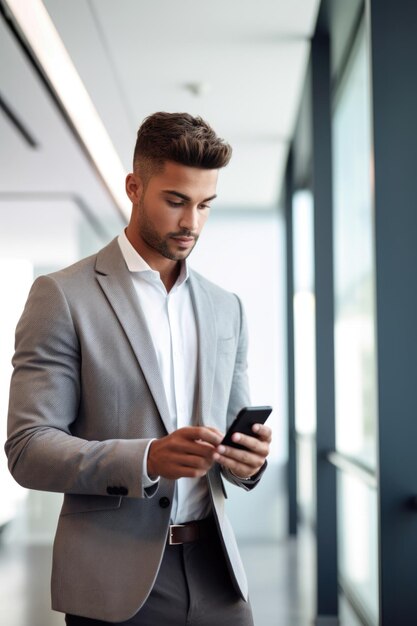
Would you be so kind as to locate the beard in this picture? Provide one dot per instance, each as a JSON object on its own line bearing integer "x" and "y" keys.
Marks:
{"x": 162, "y": 243}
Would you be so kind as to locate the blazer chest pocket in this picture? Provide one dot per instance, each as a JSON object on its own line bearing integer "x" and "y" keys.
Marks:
{"x": 85, "y": 504}
{"x": 226, "y": 345}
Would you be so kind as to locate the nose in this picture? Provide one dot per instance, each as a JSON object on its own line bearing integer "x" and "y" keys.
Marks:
{"x": 189, "y": 220}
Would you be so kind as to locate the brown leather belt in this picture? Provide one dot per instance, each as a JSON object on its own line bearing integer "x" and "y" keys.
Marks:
{"x": 188, "y": 532}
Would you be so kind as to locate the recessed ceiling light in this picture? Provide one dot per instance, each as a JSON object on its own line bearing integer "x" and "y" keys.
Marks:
{"x": 198, "y": 88}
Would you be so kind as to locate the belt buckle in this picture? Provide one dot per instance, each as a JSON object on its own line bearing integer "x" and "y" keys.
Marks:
{"x": 171, "y": 541}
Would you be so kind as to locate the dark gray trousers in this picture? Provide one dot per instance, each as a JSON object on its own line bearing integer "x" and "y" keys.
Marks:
{"x": 193, "y": 588}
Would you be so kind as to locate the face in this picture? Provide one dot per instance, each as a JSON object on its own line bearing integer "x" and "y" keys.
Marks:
{"x": 168, "y": 214}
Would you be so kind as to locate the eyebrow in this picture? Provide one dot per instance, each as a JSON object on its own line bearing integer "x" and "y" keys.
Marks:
{"x": 185, "y": 197}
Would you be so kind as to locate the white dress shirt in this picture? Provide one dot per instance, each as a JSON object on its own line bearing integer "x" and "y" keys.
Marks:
{"x": 172, "y": 326}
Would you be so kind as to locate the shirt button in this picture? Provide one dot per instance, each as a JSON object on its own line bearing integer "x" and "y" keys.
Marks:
{"x": 164, "y": 502}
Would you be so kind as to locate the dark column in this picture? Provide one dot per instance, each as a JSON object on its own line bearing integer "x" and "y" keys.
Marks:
{"x": 393, "y": 26}
{"x": 292, "y": 452}
{"x": 327, "y": 587}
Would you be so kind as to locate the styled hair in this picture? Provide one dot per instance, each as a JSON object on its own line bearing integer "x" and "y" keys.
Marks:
{"x": 178, "y": 137}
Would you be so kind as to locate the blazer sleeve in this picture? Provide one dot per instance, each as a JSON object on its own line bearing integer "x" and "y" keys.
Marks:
{"x": 44, "y": 401}
{"x": 240, "y": 397}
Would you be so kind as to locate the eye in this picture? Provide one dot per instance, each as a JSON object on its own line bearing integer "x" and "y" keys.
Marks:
{"x": 204, "y": 206}
{"x": 175, "y": 205}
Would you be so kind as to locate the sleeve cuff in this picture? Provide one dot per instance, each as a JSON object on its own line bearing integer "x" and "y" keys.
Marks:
{"x": 240, "y": 477}
{"x": 146, "y": 481}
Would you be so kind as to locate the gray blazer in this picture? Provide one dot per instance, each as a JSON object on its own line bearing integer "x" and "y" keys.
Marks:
{"x": 86, "y": 397}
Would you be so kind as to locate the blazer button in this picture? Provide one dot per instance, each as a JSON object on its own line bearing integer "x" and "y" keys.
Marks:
{"x": 110, "y": 491}
{"x": 123, "y": 491}
{"x": 164, "y": 502}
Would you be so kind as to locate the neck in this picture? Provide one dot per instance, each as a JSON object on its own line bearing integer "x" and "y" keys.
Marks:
{"x": 168, "y": 269}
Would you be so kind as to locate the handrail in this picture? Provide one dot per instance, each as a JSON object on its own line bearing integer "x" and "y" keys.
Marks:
{"x": 354, "y": 467}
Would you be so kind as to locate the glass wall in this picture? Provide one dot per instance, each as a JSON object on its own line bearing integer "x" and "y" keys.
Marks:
{"x": 355, "y": 351}
{"x": 354, "y": 273}
{"x": 358, "y": 543}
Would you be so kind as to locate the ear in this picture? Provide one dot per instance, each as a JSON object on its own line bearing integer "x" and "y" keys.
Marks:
{"x": 134, "y": 188}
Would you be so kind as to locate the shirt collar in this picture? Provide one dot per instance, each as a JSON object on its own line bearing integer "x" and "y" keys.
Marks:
{"x": 136, "y": 263}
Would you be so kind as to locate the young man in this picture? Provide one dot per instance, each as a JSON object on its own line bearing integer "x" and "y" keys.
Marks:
{"x": 128, "y": 369}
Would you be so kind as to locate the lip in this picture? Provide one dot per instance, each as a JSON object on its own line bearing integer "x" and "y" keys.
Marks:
{"x": 184, "y": 241}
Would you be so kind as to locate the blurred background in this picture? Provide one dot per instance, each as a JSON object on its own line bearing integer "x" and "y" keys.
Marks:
{"x": 315, "y": 227}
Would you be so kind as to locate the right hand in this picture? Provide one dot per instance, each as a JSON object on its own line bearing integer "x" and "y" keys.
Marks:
{"x": 187, "y": 452}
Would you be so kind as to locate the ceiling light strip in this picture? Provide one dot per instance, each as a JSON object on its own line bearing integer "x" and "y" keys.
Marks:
{"x": 41, "y": 35}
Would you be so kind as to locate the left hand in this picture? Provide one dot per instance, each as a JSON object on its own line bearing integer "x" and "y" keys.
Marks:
{"x": 246, "y": 463}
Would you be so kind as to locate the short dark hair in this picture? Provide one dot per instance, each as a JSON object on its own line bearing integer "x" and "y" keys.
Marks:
{"x": 178, "y": 137}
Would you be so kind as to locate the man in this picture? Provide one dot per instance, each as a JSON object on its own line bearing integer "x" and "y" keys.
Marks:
{"x": 128, "y": 368}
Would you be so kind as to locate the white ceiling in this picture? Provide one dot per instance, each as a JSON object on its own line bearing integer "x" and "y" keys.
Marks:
{"x": 136, "y": 56}
{"x": 45, "y": 179}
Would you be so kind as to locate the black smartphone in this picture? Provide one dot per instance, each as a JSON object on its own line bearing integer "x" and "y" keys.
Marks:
{"x": 246, "y": 418}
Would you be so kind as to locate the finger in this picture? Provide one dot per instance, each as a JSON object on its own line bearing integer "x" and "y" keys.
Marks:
{"x": 263, "y": 432}
{"x": 204, "y": 433}
{"x": 189, "y": 460}
{"x": 241, "y": 468}
{"x": 196, "y": 462}
{"x": 253, "y": 444}
{"x": 204, "y": 443}
{"x": 232, "y": 457}
{"x": 194, "y": 448}
{"x": 216, "y": 430}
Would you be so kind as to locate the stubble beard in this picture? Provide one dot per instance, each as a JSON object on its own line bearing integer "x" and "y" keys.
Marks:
{"x": 161, "y": 244}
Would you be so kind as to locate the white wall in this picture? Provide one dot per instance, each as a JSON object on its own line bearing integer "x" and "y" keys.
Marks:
{"x": 244, "y": 252}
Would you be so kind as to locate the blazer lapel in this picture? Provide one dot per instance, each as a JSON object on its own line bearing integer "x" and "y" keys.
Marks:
{"x": 207, "y": 346}
{"x": 116, "y": 284}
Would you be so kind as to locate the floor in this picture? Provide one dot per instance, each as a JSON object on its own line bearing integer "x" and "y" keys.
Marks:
{"x": 24, "y": 586}
{"x": 281, "y": 579}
